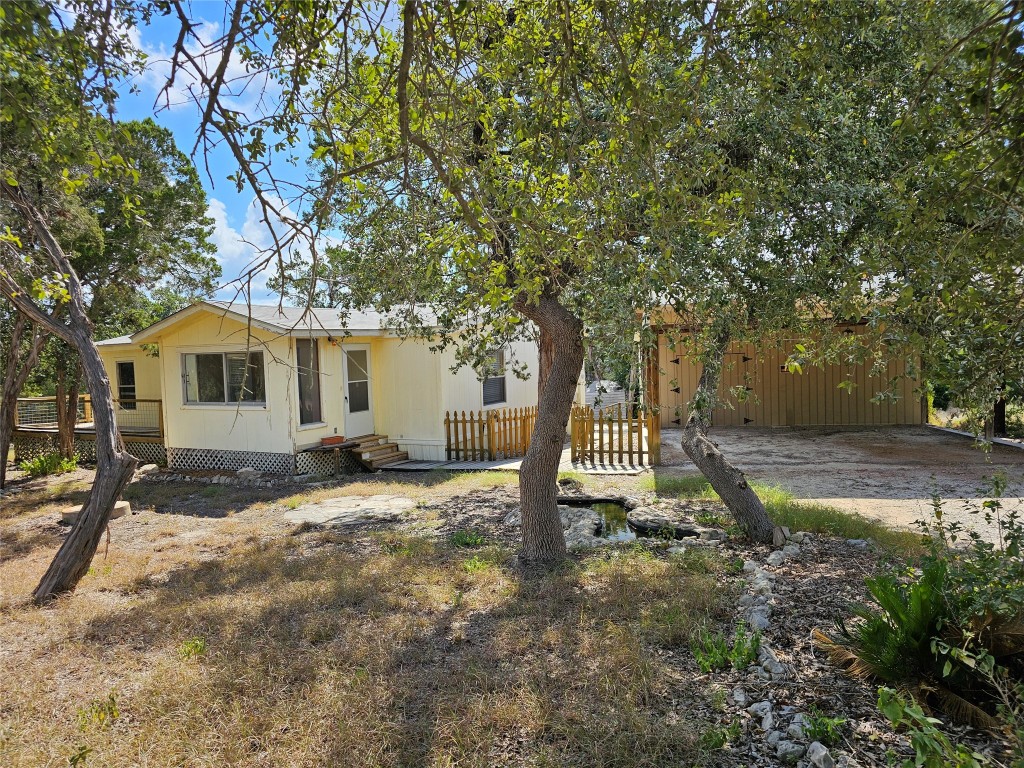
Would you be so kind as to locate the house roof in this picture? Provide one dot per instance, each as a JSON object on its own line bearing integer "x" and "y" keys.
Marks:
{"x": 287, "y": 321}
{"x": 114, "y": 341}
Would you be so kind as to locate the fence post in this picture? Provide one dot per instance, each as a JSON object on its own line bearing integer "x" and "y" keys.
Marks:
{"x": 447, "y": 436}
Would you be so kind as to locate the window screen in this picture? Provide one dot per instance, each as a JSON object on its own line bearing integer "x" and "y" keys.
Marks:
{"x": 225, "y": 378}
{"x": 358, "y": 380}
{"x": 307, "y": 358}
{"x": 126, "y": 385}
{"x": 494, "y": 381}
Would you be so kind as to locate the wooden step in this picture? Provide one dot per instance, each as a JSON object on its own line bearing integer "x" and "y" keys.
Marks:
{"x": 366, "y": 440}
{"x": 375, "y": 451}
{"x": 390, "y": 458}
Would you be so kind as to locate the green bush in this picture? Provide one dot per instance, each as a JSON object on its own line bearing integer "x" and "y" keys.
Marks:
{"x": 49, "y": 464}
{"x": 712, "y": 650}
{"x": 932, "y": 748}
{"x": 954, "y": 629}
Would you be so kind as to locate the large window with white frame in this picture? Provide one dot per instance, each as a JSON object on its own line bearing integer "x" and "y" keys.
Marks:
{"x": 224, "y": 378}
{"x": 494, "y": 378}
{"x": 307, "y": 359}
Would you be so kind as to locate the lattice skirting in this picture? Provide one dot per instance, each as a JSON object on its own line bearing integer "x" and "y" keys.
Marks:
{"x": 148, "y": 453}
{"x": 32, "y": 446}
{"x": 211, "y": 458}
{"x": 322, "y": 463}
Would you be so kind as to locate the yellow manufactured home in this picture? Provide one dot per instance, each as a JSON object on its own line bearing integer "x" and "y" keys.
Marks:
{"x": 238, "y": 386}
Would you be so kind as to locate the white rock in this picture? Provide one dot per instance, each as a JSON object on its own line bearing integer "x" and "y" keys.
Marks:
{"x": 791, "y": 550}
{"x": 145, "y": 469}
{"x": 749, "y": 566}
{"x": 858, "y": 543}
{"x": 776, "y": 558}
{"x": 768, "y": 722}
{"x": 796, "y": 731}
{"x": 789, "y": 752}
{"x": 819, "y": 755}
{"x": 740, "y": 697}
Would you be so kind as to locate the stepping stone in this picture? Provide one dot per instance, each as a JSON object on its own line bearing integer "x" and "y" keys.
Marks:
{"x": 348, "y": 511}
{"x": 69, "y": 515}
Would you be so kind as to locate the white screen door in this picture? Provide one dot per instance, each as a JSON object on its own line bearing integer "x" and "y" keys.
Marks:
{"x": 358, "y": 398}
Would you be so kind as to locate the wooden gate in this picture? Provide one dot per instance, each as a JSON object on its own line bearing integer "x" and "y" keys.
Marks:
{"x": 614, "y": 435}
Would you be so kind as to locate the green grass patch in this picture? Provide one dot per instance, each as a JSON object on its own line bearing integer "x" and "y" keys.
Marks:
{"x": 820, "y": 518}
{"x": 791, "y": 512}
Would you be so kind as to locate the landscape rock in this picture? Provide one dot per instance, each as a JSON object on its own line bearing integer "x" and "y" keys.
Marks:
{"x": 749, "y": 566}
{"x": 760, "y": 618}
{"x": 789, "y": 751}
{"x": 248, "y": 473}
{"x": 760, "y": 708}
{"x": 146, "y": 469}
{"x": 351, "y": 511}
{"x": 740, "y": 697}
{"x": 776, "y": 558}
{"x": 791, "y": 550}
{"x": 774, "y": 738}
{"x": 858, "y": 543}
{"x": 659, "y": 522}
{"x": 819, "y": 755}
{"x": 581, "y": 526}
{"x": 778, "y": 537}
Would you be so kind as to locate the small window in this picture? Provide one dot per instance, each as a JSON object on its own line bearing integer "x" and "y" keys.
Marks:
{"x": 126, "y": 386}
{"x": 307, "y": 358}
{"x": 494, "y": 379}
{"x": 231, "y": 377}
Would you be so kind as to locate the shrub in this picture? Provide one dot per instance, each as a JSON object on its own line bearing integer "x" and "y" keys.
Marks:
{"x": 932, "y": 748}
{"x": 49, "y": 464}
{"x": 820, "y": 727}
{"x": 467, "y": 539}
{"x": 955, "y": 628}
{"x": 712, "y": 650}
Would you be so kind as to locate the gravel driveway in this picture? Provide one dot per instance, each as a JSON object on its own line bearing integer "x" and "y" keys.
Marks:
{"x": 887, "y": 473}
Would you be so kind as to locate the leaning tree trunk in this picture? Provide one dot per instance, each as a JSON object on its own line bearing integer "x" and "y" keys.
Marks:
{"x": 543, "y": 538}
{"x": 15, "y": 375}
{"x": 114, "y": 465}
{"x": 727, "y": 480}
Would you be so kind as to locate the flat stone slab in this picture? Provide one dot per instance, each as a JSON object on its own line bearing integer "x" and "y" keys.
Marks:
{"x": 352, "y": 511}
{"x": 70, "y": 514}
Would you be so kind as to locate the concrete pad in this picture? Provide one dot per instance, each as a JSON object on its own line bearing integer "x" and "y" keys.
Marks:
{"x": 351, "y": 511}
{"x": 69, "y": 515}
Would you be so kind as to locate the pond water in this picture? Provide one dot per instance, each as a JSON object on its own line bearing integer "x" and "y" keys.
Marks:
{"x": 613, "y": 521}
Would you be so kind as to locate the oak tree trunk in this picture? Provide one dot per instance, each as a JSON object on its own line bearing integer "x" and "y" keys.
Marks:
{"x": 16, "y": 373}
{"x": 728, "y": 481}
{"x": 547, "y": 359}
{"x": 114, "y": 465}
{"x": 543, "y": 538}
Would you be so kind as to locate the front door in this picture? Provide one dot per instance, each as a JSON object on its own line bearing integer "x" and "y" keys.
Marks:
{"x": 358, "y": 398}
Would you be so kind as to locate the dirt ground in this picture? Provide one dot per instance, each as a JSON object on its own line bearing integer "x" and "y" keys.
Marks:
{"x": 885, "y": 473}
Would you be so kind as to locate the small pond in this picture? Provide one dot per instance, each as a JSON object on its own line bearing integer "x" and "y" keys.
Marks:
{"x": 613, "y": 521}
{"x": 613, "y": 518}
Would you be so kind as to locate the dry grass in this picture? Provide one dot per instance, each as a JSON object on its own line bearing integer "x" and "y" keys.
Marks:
{"x": 225, "y": 645}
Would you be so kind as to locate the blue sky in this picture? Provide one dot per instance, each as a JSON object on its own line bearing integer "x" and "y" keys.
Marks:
{"x": 239, "y": 229}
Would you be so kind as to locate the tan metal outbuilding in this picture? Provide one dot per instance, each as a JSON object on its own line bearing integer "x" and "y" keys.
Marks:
{"x": 761, "y": 392}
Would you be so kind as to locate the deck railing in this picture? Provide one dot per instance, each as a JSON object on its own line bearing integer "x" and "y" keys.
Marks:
{"x": 614, "y": 435}
{"x": 503, "y": 433}
{"x": 137, "y": 417}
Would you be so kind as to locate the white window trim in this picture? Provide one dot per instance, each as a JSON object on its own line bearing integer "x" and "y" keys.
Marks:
{"x": 263, "y": 405}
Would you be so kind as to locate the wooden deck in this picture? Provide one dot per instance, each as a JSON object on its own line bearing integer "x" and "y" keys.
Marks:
{"x": 513, "y": 465}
